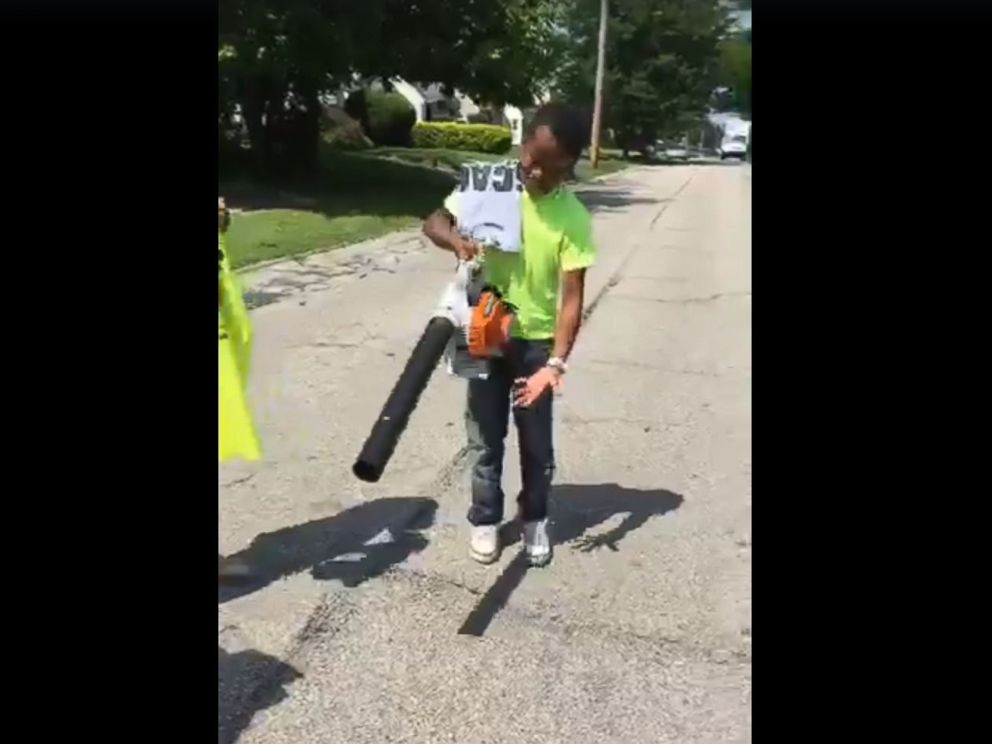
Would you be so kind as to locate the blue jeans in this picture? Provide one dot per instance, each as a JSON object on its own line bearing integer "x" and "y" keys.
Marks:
{"x": 487, "y": 418}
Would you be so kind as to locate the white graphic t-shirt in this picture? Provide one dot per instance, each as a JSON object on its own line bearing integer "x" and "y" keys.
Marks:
{"x": 488, "y": 206}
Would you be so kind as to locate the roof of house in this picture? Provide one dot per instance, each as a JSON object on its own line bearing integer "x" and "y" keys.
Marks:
{"x": 432, "y": 93}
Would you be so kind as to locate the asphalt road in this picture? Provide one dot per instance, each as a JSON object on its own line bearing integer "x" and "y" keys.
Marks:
{"x": 365, "y": 619}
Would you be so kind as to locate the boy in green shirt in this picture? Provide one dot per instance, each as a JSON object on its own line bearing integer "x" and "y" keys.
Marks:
{"x": 545, "y": 282}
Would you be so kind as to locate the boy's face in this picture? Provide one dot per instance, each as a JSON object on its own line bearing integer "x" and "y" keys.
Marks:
{"x": 543, "y": 162}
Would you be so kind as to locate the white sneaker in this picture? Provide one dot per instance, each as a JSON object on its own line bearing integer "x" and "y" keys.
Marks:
{"x": 537, "y": 544}
{"x": 484, "y": 545}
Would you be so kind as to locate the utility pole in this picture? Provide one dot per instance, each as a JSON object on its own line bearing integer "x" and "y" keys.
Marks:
{"x": 597, "y": 109}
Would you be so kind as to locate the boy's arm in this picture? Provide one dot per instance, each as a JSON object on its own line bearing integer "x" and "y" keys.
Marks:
{"x": 570, "y": 315}
{"x": 440, "y": 228}
{"x": 578, "y": 254}
{"x": 529, "y": 389}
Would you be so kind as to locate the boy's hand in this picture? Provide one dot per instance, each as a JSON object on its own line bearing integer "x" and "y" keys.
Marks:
{"x": 466, "y": 249}
{"x": 440, "y": 228}
{"x": 526, "y": 390}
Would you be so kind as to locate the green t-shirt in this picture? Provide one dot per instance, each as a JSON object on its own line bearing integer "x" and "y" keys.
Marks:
{"x": 557, "y": 237}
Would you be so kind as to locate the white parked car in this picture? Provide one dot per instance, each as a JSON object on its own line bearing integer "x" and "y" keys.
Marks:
{"x": 734, "y": 146}
{"x": 672, "y": 150}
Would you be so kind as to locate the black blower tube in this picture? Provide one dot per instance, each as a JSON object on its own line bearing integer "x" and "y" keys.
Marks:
{"x": 395, "y": 414}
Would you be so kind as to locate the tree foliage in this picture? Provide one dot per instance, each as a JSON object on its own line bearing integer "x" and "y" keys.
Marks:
{"x": 735, "y": 73}
{"x": 522, "y": 60}
{"x": 391, "y": 117}
{"x": 661, "y": 58}
{"x": 276, "y": 58}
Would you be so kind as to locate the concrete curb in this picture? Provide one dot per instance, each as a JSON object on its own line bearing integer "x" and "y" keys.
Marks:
{"x": 345, "y": 251}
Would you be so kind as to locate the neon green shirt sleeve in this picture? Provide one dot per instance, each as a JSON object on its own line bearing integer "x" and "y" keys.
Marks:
{"x": 578, "y": 250}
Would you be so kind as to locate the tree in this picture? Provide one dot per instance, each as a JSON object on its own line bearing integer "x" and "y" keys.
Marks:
{"x": 660, "y": 60}
{"x": 276, "y": 58}
{"x": 521, "y": 62}
{"x": 497, "y": 51}
{"x": 735, "y": 73}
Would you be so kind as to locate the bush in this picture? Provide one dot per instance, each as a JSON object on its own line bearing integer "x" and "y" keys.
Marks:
{"x": 356, "y": 107}
{"x": 390, "y": 118}
{"x": 346, "y": 136}
{"x": 457, "y": 136}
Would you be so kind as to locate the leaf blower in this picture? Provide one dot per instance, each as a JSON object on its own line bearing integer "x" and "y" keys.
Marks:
{"x": 470, "y": 325}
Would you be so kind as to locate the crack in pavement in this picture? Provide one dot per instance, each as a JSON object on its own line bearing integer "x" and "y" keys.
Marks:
{"x": 333, "y": 606}
{"x": 446, "y": 476}
{"x": 698, "y": 251}
{"x": 684, "y": 300}
{"x": 342, "y": 345}
{"x": 648, "y": 424}
{"x": 334, "y": 609}
{"x": 331, "y": 345}
{"x": 329, "y": 616}
{"x": 332, "y": 614}
{"x": 669, "y": 202}
{"x": 238, "y": 481}
{"x": 550, "y": 620}
{"x": 351, "y": 329}
{"x": 668, "y": 370}
{"x": 638, "y": 278}
{"x": 618, "y": 273}
{"x": 278, "y": 285}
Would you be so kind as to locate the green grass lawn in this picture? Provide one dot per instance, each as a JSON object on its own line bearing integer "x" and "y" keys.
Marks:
{"x": 278, "y": 233}
{"x": 355, "y": 197}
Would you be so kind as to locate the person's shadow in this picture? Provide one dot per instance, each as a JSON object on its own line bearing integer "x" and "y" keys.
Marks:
{"x": 247, "y": 682}
{"x": 573, "y": 511}
{"x": 354, "y": 546}
{"x": 576, "y": 509}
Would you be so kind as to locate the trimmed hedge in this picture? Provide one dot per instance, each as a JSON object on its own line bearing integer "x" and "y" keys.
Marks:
{"x": 457, "y": 136}
{"x": 390, "y": 118}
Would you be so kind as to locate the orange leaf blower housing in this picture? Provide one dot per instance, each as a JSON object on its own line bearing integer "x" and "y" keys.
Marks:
{"x": 489, "y": 324}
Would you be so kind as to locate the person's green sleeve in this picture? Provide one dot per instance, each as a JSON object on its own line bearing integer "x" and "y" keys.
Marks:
{"x": 578, "y": 250}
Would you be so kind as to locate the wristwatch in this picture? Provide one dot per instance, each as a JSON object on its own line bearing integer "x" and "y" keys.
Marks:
{"x": 558, "y": 363}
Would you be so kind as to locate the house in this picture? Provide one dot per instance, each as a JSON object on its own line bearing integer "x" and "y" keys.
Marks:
{"x": 431, "y": 103}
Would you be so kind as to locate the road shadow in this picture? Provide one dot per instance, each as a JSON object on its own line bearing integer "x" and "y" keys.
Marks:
{"x": 354, "y": 546}
{"x": 574, "y": 510}
{"x": 247, "y": 682}
{"x": 598, "y": 199}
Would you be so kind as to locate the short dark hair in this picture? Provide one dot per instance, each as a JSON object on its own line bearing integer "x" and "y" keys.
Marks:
{"x": 567, "y": 124}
